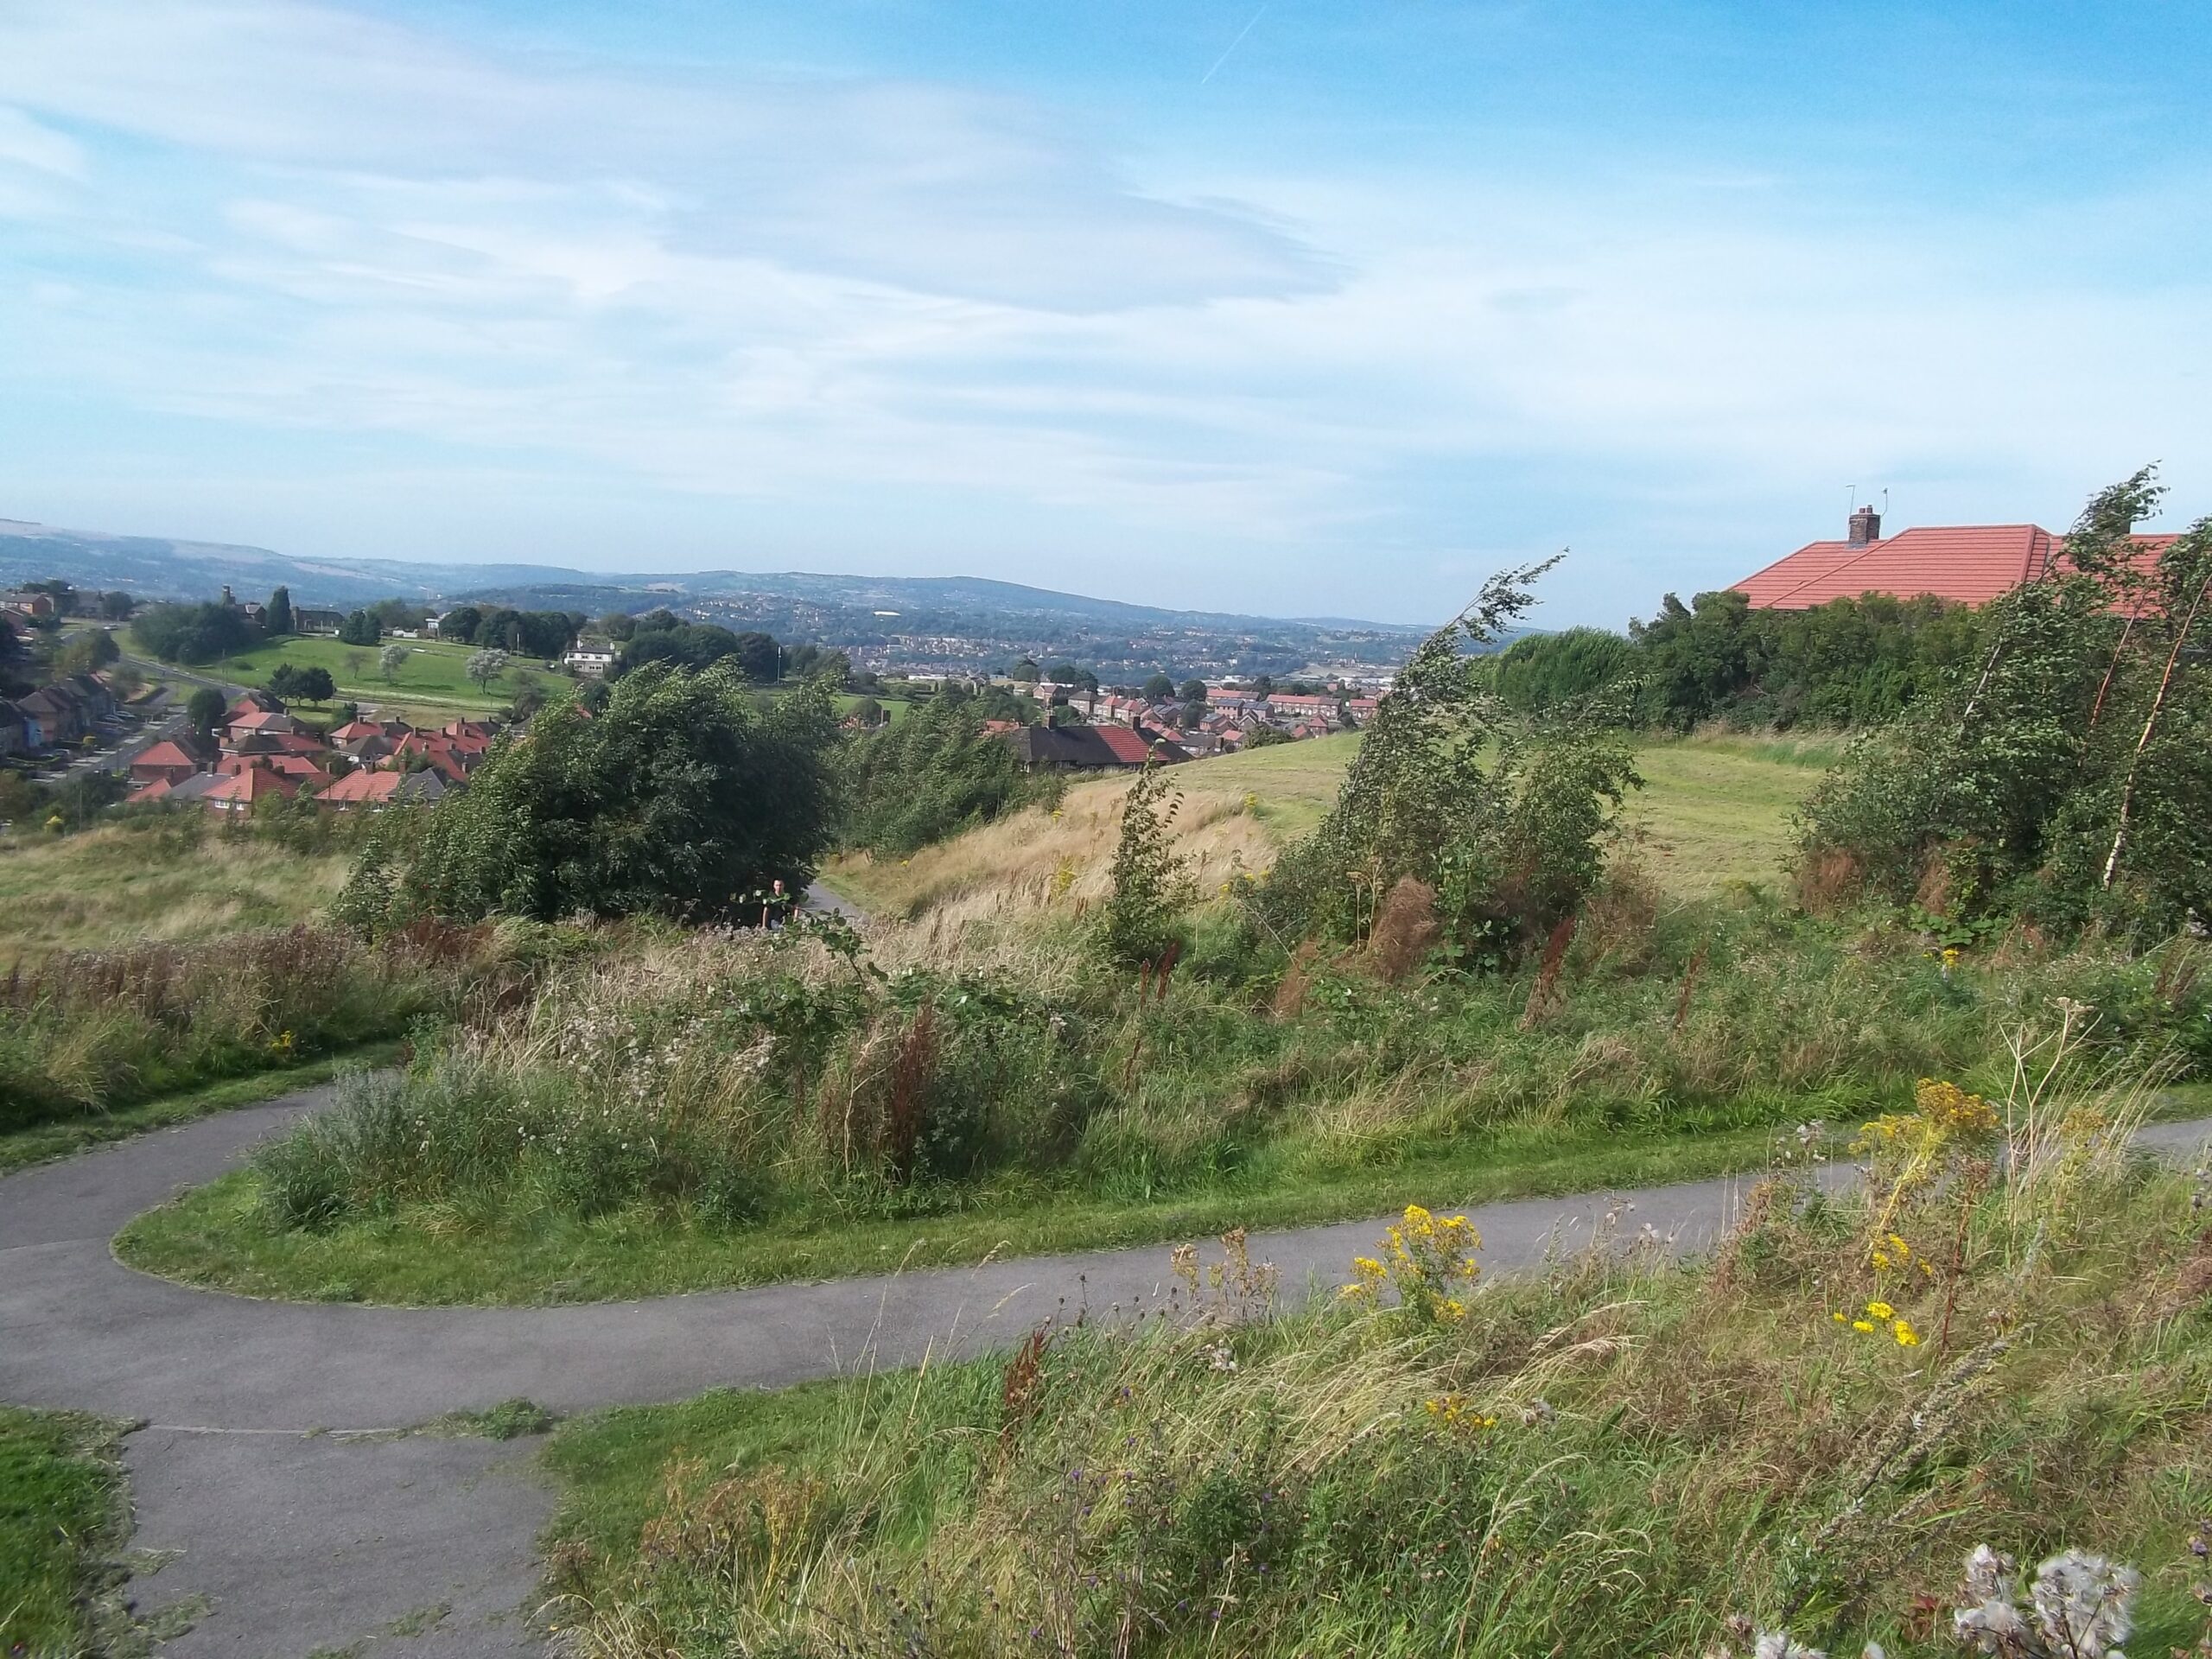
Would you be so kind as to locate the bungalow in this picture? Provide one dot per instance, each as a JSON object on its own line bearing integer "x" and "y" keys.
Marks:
{"x": 310, "y": 621}
{"x": 1090, "y": 748}
{"x": 167, "y": 762}
{"x": 252, "y": 701}
{"x": 256, "y": 722}
{"x": 373, "y": 789}
{"x": 1967, "y": 564}
{"x": 244, "y": 791}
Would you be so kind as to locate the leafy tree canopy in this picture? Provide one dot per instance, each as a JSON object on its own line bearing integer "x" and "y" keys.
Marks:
{"x": 679, "y": 799}
{"x": 192, "y": 633}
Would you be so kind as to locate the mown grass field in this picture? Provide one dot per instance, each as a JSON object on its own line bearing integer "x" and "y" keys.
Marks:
{"x": 123, "y": 884}
{"x": 433, "y": 680}
{"x": 1715, "y": 813}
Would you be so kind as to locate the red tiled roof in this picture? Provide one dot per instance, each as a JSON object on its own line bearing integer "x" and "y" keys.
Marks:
{"x": 1124, "y": 744}
{"x": 165, "y": 753}
{"x": 368, "y": 787}
{"x": 1971, "y": 565}
{"x": 254, "y": 783}
{"x": 1968, "y": 564}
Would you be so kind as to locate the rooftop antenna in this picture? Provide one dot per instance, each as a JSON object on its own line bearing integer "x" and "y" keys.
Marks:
{"x": 1850, "y": 499}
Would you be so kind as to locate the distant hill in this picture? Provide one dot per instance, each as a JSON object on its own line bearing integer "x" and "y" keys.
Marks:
{"x": 946, "y": 620}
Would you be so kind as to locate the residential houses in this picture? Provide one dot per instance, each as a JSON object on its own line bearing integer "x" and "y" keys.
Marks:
{"x": 592, "y": 658}
{"x": 267, "y": 756}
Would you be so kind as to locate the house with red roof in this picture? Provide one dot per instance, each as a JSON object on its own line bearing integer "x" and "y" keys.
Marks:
{"x": 167, "y": 762}
{"x": 1090, "y": 748}
{"x": 1967, "y": 564}
{"x": 244, "y": 791}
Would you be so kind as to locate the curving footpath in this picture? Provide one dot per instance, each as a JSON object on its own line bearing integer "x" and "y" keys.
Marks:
{"x": 296, "y": 1526}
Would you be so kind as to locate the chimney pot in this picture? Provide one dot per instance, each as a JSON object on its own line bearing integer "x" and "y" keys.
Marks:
{"x": 1865, "y": 526}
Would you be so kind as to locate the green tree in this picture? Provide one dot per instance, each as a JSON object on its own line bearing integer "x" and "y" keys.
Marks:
{"x": 682, "y": 798}
{"x": 1139, "y": 923}
{"x": 116, "y": 607}
{"x": 390, "y": 660}
{"x": 1159, "y": 689}
{"x": 1545, "y": 671}
{"x": 295, "y": 685}
{"x": 2064, "y": 775}
{"x": 87, "y": 650}
{"x": 277, "y": 615}
{"x": 1193, "y": 690}
{"x": 1024, "y": 672}
{"x": 1501, "y": 819}
{"x": 192, "y": 633}
{"x": 930, "y": 776}
{"x": 359, "y": 628}
{"x": 485, "y": 666}
{"x": 205, "y": 709}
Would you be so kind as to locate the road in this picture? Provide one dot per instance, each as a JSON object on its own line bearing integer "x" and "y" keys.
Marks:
{"x": 261, "y": 1461}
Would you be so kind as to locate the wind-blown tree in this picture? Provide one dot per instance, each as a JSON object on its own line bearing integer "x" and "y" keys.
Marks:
{"x": 930, "y": 776}
{"x": 680, "y": 797}
{"x": 1504, "y": 820}
{"x": 2065, "y": 775}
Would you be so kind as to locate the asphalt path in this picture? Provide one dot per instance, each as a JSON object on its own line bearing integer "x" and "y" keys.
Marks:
{"x": 270, "y": 1466}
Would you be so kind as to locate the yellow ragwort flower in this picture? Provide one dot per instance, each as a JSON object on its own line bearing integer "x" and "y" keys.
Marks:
{"x": 1906, "y": 1336}
{"x": 1880, "y": 1311}
{"x": 1866, "y": 1325}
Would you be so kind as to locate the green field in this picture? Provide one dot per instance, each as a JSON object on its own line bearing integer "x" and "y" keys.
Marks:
{"x": 64, "y": 1514}
{"x": 433, "y": 680}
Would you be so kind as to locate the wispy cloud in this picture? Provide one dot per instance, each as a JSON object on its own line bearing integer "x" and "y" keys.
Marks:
{"x": 866, "y": 301}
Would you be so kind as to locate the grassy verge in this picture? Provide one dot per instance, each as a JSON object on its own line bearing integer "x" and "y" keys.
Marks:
{"x": 1619, "y": 1456}
{"x": 64, "y": 1513}
{"x": 425, "y": 1254}
{"x": 39, "y": 1143}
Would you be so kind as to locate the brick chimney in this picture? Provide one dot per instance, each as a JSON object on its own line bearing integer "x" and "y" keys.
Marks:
{"x": 1865, "y": 526}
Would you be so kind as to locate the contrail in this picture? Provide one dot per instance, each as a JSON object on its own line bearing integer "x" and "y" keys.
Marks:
{"x": 1233, "y": 45}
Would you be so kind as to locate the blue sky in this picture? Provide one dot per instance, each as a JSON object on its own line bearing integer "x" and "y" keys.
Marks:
{"x": 1302, "y": 308}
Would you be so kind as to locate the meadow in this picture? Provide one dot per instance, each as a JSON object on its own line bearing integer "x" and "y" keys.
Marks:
{"x": 1844, "y": 1427}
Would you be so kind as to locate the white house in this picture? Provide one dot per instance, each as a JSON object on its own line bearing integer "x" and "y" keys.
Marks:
{"x": 593, "y": 659}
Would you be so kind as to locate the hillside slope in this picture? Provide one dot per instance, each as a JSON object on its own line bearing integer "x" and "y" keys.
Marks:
{"x": 1715, "y": 810}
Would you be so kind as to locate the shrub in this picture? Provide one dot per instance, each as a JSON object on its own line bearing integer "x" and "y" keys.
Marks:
{"x": 678, "y": 798}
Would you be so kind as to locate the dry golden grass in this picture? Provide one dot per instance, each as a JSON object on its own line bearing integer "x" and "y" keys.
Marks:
{"x": 1716, "y": 812}
{"x": 120, "y": 886}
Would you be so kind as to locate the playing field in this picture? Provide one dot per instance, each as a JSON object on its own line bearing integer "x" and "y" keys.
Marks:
{"x": 434, "y": 678}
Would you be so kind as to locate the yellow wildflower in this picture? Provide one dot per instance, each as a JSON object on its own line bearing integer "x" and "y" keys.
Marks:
{"x": 1866, "y": 1325}
{"x": 1881, "y": 1259}
{"x": 1839, "y": 1319}
{"x": 1880, "y": 1311}
{"x": 1906, "y": 1336}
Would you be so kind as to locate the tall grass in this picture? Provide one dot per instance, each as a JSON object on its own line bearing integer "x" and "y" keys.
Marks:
{"x": 1618, "y": 1455}
{"x": 729, "y": 1079}
{"x": 84, "y": 1031}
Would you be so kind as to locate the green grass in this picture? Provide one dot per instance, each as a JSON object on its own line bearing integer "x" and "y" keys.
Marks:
{"x": 64, "y": 1514}
{"x": 130, "y": 884}
{"x": 433, "y": 680}
{"x": 1615, "y": 1456}
{"x": 41, "y": 1143}
{"x": 215, "y": 1236}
